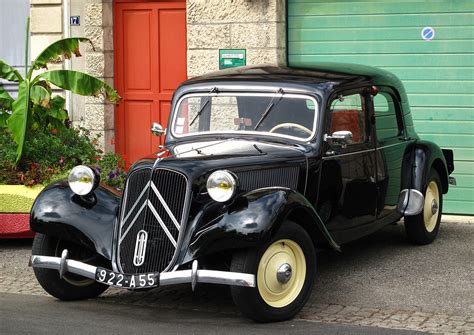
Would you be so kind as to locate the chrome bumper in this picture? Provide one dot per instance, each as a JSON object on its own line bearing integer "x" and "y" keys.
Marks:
{"x": 193, "y": 276}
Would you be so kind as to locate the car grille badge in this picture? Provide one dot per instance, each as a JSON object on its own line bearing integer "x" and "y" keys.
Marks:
{"x": 140, "y": 248}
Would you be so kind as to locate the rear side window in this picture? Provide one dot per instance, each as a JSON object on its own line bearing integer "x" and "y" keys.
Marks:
{"x": 386, "y": 122}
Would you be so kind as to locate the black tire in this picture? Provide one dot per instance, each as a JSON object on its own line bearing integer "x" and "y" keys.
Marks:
{"x": 71, "y": 287}
{"x": 422, "y": 228}
{"x": 250, "y": 301}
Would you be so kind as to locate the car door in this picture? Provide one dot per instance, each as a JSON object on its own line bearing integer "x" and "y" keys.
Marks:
{"x": 391, "y": 145}
{"x": 348, "y": 192}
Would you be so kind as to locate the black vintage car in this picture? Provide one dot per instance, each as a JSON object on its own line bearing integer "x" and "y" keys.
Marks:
{"x": 260, "y": 168}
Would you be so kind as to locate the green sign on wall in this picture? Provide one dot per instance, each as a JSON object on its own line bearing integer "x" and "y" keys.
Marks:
{"x": 232, "y": 58}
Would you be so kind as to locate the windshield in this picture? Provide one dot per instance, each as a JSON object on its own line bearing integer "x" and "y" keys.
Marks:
{"x": 276, "y": 114}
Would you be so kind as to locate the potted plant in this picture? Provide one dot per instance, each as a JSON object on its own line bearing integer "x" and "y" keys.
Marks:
{"x": 37, "y": 144}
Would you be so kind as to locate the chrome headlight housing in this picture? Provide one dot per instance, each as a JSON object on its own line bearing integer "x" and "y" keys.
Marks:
{"x": 82, "y": 180}
{"x": 221, "y": 185}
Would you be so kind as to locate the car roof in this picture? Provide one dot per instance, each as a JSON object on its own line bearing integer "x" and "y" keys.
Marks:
{"x": 318, "y": 74}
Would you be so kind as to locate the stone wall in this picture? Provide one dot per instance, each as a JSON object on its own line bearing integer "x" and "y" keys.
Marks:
{"x": 255, "y": 25}
{"x": 98, "y": 27}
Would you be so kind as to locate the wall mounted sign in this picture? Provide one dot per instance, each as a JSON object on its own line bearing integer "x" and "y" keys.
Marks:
{"x": 75, "y": 20}
{"x": 232, "y": 58}
{"x": 427, "y": 33}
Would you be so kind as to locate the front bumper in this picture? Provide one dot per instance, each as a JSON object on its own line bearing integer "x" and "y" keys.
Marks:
{"x": 192, "y": 276}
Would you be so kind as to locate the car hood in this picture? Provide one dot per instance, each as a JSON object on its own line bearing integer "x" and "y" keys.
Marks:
{"x": 221, "y": 154}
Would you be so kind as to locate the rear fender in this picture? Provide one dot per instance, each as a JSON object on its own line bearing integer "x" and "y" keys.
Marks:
{"x": 250, "y": 220}
{"x": 419, "y": 158}
{"x": 84, "y": 220}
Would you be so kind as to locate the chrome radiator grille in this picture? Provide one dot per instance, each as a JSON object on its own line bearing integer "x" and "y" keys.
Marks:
{"x": 154, "y": 202}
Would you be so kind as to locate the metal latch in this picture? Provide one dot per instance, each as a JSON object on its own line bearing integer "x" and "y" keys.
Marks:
{"x": 452, "y": 181}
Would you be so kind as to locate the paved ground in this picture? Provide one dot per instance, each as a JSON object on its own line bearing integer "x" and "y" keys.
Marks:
{"x": 39, "y": 315}
{"x": 379, "y": 281}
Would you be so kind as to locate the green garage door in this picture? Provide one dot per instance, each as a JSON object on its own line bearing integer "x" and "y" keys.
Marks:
{"x": 438, "y": 73}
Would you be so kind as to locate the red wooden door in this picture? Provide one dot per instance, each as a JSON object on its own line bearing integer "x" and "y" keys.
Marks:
{"x": 150, "y": 62}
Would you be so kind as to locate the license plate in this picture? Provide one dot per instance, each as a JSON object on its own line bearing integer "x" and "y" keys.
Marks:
{"x": 142, "y": 280}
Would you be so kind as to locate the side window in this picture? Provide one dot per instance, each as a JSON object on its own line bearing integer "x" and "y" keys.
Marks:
{"x": 349, "y": 113}
{"x": 385, "y": 117}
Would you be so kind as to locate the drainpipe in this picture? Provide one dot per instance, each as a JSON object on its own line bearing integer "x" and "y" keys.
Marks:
{"x": 67, "y": 62}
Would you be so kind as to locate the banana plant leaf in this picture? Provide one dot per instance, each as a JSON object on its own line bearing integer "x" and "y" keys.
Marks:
{"x": 40, "y": 95}
{"x": 81, "y": 83}
{"x": 59, "y": 50}
{"x": 5, "y": 100}
{"x": 3, "y": 119}
{"x": 56, "y": 109}
{"x": 17, "y": 121}
{"x": 9, "y": 73}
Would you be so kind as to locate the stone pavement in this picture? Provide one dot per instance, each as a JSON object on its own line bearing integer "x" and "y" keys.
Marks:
{"x": 379, "y": 281}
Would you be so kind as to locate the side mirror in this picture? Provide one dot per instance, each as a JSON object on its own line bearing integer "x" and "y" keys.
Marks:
{"x": 157, "y": 129}
{"x": 340, "y": 138}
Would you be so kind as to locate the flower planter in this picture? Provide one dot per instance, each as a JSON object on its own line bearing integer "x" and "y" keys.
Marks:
{"x": 15, "y": 206}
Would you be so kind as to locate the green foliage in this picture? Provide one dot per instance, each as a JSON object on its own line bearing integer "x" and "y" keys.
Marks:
{"x": 9, "y": 73}
{"x": 57, "y": 51}
{"x": 111, "y": 170}
{"x": 48, "y": 155}
{"x": 18, "y": 120}
{"x": 81, "y": 83}
{"x": 35, "y": 108}
{"x": 5, "y": 101}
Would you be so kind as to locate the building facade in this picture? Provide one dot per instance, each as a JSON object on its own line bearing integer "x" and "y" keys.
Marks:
{"x": 146, "y": 48}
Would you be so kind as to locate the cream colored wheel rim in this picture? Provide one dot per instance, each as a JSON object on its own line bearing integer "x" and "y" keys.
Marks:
{"x": 431, "y": 206}
{"x": 274, "y": 292}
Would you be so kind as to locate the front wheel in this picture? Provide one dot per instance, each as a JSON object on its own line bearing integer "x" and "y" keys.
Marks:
{"x": 285, "y": 269}
{"x": 423, "y": 228}
{"x": 71, "y": 286}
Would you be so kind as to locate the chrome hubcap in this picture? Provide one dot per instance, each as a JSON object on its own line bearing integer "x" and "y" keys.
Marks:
{"x": 284, "y": 273}
{"x": 434, "y": 207}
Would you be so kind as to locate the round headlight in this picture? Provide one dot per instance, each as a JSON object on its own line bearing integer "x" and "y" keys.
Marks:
{"x": 82, "y": 180}
{"x": 221, "y": 186}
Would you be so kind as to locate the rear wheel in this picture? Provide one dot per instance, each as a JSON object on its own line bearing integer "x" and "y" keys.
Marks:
{"x": 423, "y": 228}
{"x": 284, "y": 268}
{"x": 71, "y": 286}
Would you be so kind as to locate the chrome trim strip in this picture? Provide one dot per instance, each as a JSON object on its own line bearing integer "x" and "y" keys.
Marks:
{"x": 392, "y": 145}
{"x": 135, "y": 204}
{"x": 133, "y": 221}
{"x": 165, "y": 205}
{"x": 162, "y": 224}
{"x": 166, "y": 278}
{"x": 348, "y": 154}
{"x": 368, "y": 150}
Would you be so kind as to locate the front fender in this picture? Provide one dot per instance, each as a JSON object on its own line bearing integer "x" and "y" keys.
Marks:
{"x": 85, "y": 220}
{"x": 250, "y": 220}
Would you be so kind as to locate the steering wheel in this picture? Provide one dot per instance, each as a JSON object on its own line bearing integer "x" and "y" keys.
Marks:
{"x": 291, "y": 125}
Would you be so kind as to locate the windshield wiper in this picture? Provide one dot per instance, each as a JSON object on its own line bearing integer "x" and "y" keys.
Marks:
{"x": 213, "y": 90}
{"x": 269, "y": 108}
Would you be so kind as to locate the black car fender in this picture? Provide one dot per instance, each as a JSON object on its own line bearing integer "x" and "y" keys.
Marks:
{"x": 250, "y": 220}
{"x": 418, "y": 160}
{"x": 84, "y": 220}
